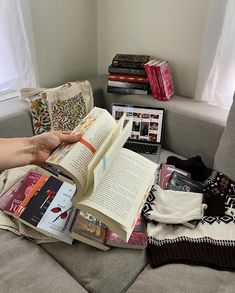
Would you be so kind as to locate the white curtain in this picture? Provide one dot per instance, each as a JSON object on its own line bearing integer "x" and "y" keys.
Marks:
{"x": 17, "y": 63}
{"x": 216, "y": 79}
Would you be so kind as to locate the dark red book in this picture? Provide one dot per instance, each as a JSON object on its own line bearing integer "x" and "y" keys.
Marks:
{"x": 19, "y": 192}
{"x": 128, "y": 78}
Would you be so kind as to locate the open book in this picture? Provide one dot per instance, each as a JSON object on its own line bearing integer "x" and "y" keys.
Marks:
{"x": 112, "y": 182}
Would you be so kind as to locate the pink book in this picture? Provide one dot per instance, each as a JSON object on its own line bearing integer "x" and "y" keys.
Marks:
{"x": 165, "y": 80}
{"x": 137, "y": 240}
{"x": 152, "y": 77}
{"x": 19, "y": 191}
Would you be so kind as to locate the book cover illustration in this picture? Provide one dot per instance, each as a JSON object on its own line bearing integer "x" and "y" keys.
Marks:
{"x": 89, "y": 229}
{"x": 180, "y": 182}
{"x": 137, "y": 240}
{"x": 58, "y": 212}
{"x": 41, "y": 201}
{"x": 37, "y": 186}
{"x": 166, "y": 172}
{"x": 22, "y": 188}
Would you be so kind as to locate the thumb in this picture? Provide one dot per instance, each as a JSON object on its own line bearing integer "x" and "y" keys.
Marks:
{"x": 67, "y": 138}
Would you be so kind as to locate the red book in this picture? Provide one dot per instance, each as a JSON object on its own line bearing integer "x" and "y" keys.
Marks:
{"x": 18, "y": 195}
{"x": 152, "y": 77}
{"x": 137, "y": 240}
{"x": 128, "y": 78}
{"x": 165, "y": 80}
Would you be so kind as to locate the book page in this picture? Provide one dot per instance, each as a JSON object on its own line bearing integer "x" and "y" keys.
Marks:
{"x": 108, "y": 152}
{"x": 112, "y": 153}
{"x": 122, "y": 192}
{"x": 73, "y": 159}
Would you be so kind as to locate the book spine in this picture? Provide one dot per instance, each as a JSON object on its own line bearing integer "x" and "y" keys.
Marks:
{"x": 153, "y": 81}
{"x": 160, "y": 80}
{"x": 131, "y": 85}
{"x": 119, "y": 90}
{"x": 135, "y": 71}
{"x": 128, "y": 78}
{"x": 131, "y": 64}
{"x": 167, "y": 81}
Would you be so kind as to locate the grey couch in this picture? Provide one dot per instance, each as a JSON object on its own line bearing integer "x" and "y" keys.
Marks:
{"x": 191, "y": 128}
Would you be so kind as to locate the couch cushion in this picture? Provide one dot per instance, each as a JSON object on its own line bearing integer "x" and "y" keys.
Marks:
{"x": 225, "y": 154}
{"x": 98, "y": 271}
{"x": 25, "y": 267}
{"x": 183, "y": 278}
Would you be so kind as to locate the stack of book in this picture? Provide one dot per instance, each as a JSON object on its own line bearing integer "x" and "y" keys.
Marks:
{"x": 43, "y": 203}
{"x": 127, "y": 74}
{"x": 95, "y": 175}
{"x": 160, "y": 80}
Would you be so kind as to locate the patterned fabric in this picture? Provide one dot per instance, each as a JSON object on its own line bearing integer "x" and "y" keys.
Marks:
{"x": 40, "y": 116}
{"x": 210, "y": 243}
{"x": 60, "y": 108}
{"x": 66, "y": 114}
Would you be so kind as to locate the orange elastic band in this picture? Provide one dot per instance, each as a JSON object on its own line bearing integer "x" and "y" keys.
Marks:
{"x": 87, "y": 144}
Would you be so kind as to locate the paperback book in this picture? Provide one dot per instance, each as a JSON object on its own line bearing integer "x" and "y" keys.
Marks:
{"x": 49, "y": 208}
{"x": 11, "y": 200}
{"x": 137, "y": 240}
{"x": 88, "y": 229}
{"x": 112, "y": 182}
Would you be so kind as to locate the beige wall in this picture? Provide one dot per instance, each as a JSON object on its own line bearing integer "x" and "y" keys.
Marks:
{"x": 165, "y": 29}
{"x": 75, "y": 39}
{"x": 65, "y": 37}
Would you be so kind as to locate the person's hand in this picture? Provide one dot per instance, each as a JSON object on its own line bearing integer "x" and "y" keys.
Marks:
{"x": 46, "y": 142}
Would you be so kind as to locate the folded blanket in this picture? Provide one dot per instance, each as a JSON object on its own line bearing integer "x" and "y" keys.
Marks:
{"x": 7, "y": 179}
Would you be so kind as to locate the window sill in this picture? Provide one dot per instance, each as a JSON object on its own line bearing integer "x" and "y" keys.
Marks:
{"x": 9, "y": 94}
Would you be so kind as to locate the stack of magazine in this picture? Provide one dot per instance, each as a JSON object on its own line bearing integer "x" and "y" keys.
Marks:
{"x": 94, "y": 185}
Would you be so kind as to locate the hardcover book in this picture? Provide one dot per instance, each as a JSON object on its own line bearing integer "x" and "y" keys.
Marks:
{"x": 125, "y": 70}
{"x": 165, "y": 80}
{"x": 152, "y": 77}
{"x": 128, "y": 85}
{"x": 128, "y": 78}
{"x": 120, "y": 90}
{"x": 138, "y": 238}
{"x": 88, "y": 229}
{"x": 130, "y": 60}
{"x": 112, "y": 182}
{"x": 18, "y": 192}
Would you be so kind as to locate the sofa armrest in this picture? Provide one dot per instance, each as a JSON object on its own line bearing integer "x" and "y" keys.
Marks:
{"x": 15, "y": 118}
